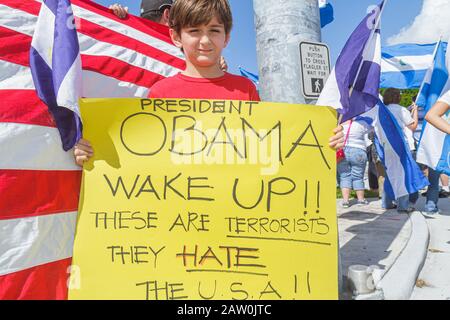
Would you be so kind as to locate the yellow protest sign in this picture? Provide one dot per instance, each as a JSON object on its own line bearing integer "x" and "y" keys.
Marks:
{"x": 199, "y": 199}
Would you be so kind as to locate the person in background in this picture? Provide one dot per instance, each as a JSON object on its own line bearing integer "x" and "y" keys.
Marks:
{"x": 391, "y": 98}
{"x": 435, "y": 117}
{"x": 351, "y": 169}
{"x": 372, "y": 158}
{"x": 154, "y": 10}
{"x": 444, "y": 191}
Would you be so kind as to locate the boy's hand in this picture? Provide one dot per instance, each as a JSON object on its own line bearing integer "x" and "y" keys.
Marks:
{"x": 223, "y": 64}
{"x": 337, "y": 141}
{"x": 82, "y": 152}
{"x": 119, "y": 11}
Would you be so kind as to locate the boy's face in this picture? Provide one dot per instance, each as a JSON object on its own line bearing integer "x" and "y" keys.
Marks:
{"x": 202, "y": 45}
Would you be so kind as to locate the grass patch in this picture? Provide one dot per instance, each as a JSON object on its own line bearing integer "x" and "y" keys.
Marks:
{"x": 367, "y": 194}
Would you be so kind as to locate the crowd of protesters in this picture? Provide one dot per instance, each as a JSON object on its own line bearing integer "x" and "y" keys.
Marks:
{"x": 361, "y": 160}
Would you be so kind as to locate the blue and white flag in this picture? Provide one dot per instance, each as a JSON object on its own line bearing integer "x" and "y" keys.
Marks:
{"x": 434, "y": 145}
{"x": 403, "y": 175}
{"x": 56, "y": 67}
{"x": 251, "y": 76}
{"x": 403, "y": 66}
{"x": 352, "y": 87}
{"x": 326, "y": 13}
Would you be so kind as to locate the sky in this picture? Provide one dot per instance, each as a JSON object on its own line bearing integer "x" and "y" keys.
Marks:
{"x": 403, "y": 20}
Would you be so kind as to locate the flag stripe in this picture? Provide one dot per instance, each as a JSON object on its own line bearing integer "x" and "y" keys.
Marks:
{"x": 103, "y": 34}
{"x": 33, "y": 147}
{"x": 12, "y": 48}
{"x": 99, "y": 57}
{"x": 99, "y": 49}
{"x": 146, "y": 28}
{"x": 402, "y": 80}
{"x": 17, "y": 189}
{"x": 115, "y": 68}
{"x": 408, "y": 49}
{"x": 31, "y": 7}
{"x": 24, "y": 106}
{"x": 90, "y": 34}
{"x": 111, "y": 87}
{"x": 34, "y": 234}
{"x": 134, "y": 30}
{"x": 43, "y": 282}
{"x": 406, "y": 63}
{"x": 14, "y": 76}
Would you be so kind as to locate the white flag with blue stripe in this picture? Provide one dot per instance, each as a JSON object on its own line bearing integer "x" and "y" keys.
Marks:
{"x": 403, "y": 175}
{"x": 55, "y": 64}
{"x": 403, "y": 66}
{"x": 434, "y": 145}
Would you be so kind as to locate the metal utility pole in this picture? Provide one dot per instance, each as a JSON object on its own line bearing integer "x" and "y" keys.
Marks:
{"x": 280, "y": 27}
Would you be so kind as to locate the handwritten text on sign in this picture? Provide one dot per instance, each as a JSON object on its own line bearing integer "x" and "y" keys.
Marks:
{"x": 199, "y": 199}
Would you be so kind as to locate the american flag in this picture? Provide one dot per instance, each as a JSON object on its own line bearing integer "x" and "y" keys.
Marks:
{"x": 39, "y": 182}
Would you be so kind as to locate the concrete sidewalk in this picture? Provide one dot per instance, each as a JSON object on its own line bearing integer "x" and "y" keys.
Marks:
{"x": 396, "y": 243}
{"x": 434, "y": 279}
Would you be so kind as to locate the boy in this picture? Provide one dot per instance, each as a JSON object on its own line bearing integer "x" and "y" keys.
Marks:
{"x": 201, "y": 29}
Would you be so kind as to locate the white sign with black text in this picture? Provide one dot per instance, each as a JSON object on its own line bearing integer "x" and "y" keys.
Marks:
{"x": 315, "y": 68}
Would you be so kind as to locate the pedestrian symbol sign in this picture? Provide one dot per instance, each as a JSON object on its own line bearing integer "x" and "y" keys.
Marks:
{"x": 317, "y": 84}
{"x": 315, "y": 68}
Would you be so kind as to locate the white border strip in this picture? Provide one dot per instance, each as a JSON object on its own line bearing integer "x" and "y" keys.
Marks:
{"x": 110, "y": 87}
{"x": 33, "y": 147}
{"x": 17, "y": 20}
{"x": 14, "y": 76}
{"x": 406, "y": 63}
{"x": 33, "y": 241}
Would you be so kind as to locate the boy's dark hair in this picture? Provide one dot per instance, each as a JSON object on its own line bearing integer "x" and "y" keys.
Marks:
{"x": 391, "y": 95}
{"x": 192, "y": 13}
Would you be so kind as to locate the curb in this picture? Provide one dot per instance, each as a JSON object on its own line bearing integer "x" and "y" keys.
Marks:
{"x": 399, "y": 281}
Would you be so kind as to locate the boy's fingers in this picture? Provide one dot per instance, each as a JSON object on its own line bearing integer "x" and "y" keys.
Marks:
{"x": 80, "y": 160}
{"x": 83, "y": 152}
{"x": 83, "y": 142}
{"x": 85, "y": 149}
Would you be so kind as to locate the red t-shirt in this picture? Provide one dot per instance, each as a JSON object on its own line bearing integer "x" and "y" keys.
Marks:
{"x": 227, "y": 87}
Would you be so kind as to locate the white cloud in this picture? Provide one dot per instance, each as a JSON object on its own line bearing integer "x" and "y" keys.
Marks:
{"x": 432, "y": 21}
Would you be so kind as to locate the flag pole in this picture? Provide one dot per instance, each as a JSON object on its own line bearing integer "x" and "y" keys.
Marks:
{"x": 432, "y": 62}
